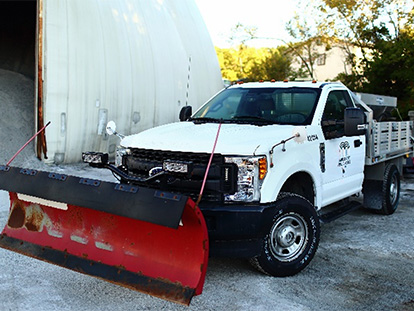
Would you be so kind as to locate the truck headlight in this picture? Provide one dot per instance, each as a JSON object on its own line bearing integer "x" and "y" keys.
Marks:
{"x": 120, "y": 153}
{"x": 252, "y": 171}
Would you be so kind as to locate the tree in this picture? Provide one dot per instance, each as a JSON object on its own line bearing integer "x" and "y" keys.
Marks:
{"x": 307, "y": 47}
{"x": 275, "y": 65}
{"x": 362, "y": 24}
{"x": 229, "y": 64}
{"x": 382, "y": 33}
{"x": 240, "y": 34}
{"x": 236, "y": 63}
{"x": 252, "y": 64}
{"x": 390, "y": 71}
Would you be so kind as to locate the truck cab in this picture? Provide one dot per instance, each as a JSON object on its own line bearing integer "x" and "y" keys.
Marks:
{"x": 322, "y": 163}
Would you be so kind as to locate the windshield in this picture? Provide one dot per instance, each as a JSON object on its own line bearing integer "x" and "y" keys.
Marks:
{"x": 294, "y": 105}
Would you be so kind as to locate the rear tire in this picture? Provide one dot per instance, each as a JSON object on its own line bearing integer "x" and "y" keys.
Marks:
{"x": 292, "y": 238}
{"x": 390, "y": 190}
{"x": 383, "y": 196}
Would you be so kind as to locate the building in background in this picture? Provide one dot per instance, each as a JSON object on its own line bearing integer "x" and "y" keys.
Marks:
{"x": 328, "y": 63}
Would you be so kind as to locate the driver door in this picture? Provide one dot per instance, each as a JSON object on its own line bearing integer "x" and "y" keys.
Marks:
{"x": 344, "y": 156}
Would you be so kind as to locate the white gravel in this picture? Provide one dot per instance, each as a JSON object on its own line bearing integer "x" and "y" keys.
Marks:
{"x": 16, "y": 116}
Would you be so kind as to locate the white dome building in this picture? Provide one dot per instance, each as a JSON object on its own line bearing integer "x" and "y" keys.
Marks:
{"x": 137, "y": 62}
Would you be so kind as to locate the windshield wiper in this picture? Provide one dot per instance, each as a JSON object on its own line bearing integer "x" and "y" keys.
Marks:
{"x": 205, "y": 119}
{"x": 255, "y": 118}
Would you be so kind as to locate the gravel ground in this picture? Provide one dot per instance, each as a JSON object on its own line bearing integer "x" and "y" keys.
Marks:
{"x": 364, "y": 262}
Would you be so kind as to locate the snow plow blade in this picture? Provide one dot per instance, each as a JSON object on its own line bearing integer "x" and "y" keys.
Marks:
{"x": 141, "y": 238}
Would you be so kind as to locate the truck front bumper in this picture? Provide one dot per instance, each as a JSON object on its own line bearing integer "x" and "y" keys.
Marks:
{"x": 237, "y": 230}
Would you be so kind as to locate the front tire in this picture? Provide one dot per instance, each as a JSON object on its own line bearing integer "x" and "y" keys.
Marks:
{"x": 292, "y": 238}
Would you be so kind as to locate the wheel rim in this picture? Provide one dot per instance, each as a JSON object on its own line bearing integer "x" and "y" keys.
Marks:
{"x": 288, "y": 237}
{"x": 394, "y": 190}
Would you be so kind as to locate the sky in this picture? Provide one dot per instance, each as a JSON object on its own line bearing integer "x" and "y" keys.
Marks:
{"x": 268, "y": 16}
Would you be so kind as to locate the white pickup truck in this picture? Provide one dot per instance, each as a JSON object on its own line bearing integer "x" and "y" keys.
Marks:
{"x": 289, "y": 155}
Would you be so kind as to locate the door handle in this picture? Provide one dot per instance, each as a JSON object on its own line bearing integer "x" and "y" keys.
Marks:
{"x": 357, "y": 143}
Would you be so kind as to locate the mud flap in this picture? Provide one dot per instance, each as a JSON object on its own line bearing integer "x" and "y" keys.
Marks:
{"x": 145, "y": 239}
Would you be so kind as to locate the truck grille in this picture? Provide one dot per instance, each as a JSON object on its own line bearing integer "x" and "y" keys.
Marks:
{"x": 222, "y": 177}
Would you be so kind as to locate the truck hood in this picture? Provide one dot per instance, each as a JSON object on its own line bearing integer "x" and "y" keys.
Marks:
{"x": 234, "y": 139}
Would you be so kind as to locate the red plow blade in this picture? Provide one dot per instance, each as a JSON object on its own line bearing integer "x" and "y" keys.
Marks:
{"x": 166, "y": 257}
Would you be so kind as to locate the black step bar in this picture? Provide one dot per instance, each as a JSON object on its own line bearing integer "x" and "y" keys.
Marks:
{"x": 339, "y": 211}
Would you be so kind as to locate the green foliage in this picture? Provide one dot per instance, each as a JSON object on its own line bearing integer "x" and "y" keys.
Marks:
{"x": 390, "y": 71}
{"x": 275, "y": 65}
{"x": 251, "y": 64}
{"x": 241, "y": 62}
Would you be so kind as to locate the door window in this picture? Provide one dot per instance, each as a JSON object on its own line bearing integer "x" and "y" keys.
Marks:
{"x": 333, "y": 115}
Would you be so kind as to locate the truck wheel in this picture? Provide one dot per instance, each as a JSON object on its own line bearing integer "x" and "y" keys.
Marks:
{"x": 292, "y": 238}
{"x": 382, "y": 196}
{"x": 390, "y": 190}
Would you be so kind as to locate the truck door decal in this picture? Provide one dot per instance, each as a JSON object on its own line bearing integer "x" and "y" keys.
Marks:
{"x": 344, "y": 155}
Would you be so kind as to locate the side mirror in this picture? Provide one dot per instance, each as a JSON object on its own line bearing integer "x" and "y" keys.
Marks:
{"x": 111, "y": 128}
{"x": 355, "y": 122}
{"x": 185, "y": 113}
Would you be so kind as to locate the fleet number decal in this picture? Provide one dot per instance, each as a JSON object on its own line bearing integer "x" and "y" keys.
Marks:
{"x": 312, "y": 137}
